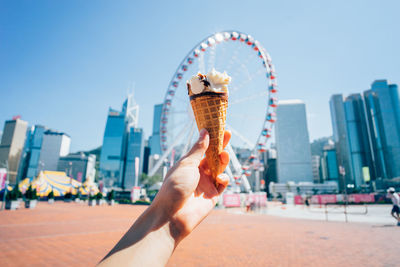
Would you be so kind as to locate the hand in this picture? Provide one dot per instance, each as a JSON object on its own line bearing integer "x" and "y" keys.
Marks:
{"x": 189, "y": 192}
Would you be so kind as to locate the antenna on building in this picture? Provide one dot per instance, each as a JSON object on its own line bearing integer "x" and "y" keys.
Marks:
{"x": 132, "y": 108}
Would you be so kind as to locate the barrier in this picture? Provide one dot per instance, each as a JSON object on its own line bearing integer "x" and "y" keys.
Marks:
{"x": 231, "y": 200}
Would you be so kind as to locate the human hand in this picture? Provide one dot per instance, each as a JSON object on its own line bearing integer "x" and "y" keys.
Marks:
{"x": 189, "y": 192}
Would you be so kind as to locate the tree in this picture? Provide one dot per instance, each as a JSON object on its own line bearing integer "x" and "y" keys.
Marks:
{"x": 148, "y": 181}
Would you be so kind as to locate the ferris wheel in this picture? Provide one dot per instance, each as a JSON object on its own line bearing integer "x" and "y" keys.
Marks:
{"x": 251, "y": 106}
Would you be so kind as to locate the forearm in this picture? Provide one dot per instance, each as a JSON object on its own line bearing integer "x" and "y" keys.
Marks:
{"x": 147, "y": 243}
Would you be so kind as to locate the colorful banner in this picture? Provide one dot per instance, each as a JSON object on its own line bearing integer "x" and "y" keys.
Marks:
{"x": 357, "y": 198}
{"x": 231, "y": 200}
{"x": 3, "y": 178}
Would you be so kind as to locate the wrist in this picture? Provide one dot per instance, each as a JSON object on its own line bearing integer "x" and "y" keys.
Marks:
{"x": 163, "y": 218}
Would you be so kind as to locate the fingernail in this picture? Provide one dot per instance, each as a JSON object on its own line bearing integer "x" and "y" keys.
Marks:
{"x": 202, "y": 133}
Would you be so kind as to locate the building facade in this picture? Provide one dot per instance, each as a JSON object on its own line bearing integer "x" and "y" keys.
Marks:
{"x": 154, "y": 140}
{"x": 135, "y": 152}
{"x": 11, "y": 146}
{"x": 54, "y": 145}
{"x": 292, "y": 143}
{"x": 30, "y": 157}
{"x": 123, "y": 142}
{"x": 383, "y": 113}
{"x": 78, "y": 166}
{"x": 112, "y": 157}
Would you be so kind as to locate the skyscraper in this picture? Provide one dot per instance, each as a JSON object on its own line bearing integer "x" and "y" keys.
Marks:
{"x": 135, "y": 149}
{"x": 358, "y": 139}
{"x": 54, "y": 145}
{"x": 12, "y": 144}
{"x": 154, "y": 140}
{"x": 383, "y": 113}
{"x": 123, "y": 142}
{"x": 292, "y": 143}
{"x": 329, "y": 165}
{"x": 31, "y": 153}
{"x": 112, "y": 157}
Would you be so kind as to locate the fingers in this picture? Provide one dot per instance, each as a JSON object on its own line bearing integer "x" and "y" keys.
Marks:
{"x": 222, "y": 182}
{"x": 227, "y": 137}
{"x": 200, "y": 147}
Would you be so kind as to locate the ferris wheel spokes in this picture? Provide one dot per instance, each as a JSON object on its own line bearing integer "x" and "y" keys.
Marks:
{"x": 177, "y": 140}
{"x": 190, "y": 137}
{"x": 248, "y": 98}
{"x": 241, "y": 137}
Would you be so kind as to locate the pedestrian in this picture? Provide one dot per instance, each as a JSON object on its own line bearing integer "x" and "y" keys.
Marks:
{"x": 396, "y": 204}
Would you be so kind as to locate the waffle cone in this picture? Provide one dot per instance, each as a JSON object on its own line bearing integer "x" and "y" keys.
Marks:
{"x": 210, "y": 114}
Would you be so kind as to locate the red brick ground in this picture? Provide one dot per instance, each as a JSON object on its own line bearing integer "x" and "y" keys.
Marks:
{"x": 78, "y": 235}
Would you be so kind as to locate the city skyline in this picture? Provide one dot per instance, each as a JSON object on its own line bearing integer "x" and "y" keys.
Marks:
{"x": 78, "y": 59}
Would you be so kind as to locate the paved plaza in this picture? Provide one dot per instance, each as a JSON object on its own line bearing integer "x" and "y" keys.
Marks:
{"x": 71, "y": 234}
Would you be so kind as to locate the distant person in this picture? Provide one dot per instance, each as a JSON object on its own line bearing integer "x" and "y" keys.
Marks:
{"x": 396, "y": 204}
{"x": 186, "y": 197}
{"x": 307, "y": 202}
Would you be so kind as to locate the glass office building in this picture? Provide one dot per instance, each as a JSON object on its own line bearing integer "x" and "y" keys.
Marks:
{"x": 383, "y": 113}
{"x": 12, "y": 145}
{"x": 358, "y": 139}
{"x": 112, "y": 156}
{"x": 330, "y": 165}
{"x": 122, "y": 143}
{"x": 340, "y": 137}
{"x": 293, "y": 143}
{"x": 135, "y": 149}
{"x": 31, "y": 154}
{"x": 154, "y": 140}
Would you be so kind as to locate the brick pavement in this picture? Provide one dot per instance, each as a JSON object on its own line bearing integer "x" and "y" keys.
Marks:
{"x": 70, "y": 234}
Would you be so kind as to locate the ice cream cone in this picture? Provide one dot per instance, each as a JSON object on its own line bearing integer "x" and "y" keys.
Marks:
{"x": 210, "y": 113}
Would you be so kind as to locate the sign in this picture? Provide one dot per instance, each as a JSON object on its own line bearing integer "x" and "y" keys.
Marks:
{"x": 231, "y": 200}
{"x": 366, "y": 176}
{"x": 3, "y": 178}
{"x": 357, "y": 198}
{"x": 135, "y": 193}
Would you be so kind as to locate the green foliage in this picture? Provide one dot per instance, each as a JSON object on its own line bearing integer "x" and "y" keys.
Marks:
{"x": 50, "y": 195}
{"x": 99, "y": 196}
{"x": 111, "y": 195}
{"x": 68, "y": 195}
{"x": 124, "y": 201}
{"x": 92, "y": 197}
{"x": 31, "y": 194}
{"x": 148, "y": 181}
{"x": 142, "y": 202}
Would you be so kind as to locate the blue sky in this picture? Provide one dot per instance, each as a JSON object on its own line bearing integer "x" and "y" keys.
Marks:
{"x": 63, "y": 63}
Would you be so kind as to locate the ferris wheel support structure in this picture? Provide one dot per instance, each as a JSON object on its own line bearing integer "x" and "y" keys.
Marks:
{"x": 198, "y": 53}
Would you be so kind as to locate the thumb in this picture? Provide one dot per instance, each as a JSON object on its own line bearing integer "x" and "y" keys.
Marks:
{"x": 200, "y": 147}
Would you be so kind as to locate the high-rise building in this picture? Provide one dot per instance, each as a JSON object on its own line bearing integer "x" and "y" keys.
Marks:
{"x": 112, "y": 157}
{"x": 31, "y": 154}
{"x": 154, "y": 140}
{"x": 316, "y": 167}
{"x": 78, "y": 166}
{"x": 135, "y": 151}
{"x": 293, "y": 143}
{"x": 329, "y": 167}
{"x": 340, "y": 137}
{"x": 123, "y": 142}
{"x": 54, "y": 145}
{"x": 383, "y": 113}
{"x": 358, "y": 139}
{"x": 12, "y": 144}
